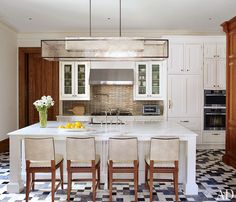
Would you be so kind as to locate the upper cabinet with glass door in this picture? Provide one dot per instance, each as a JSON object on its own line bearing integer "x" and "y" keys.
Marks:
{"x": 148, "y": 81}
{"x": 74, "y": 81}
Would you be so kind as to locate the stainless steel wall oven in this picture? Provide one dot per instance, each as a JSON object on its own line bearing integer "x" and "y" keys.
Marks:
{"x": 214, "y": 98}
{"x": 214, "y": 109}
{"x": 214, "y": 119}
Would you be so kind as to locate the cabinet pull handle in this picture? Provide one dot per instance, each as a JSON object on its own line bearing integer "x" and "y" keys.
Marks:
{"x": 182, "y": 70}
{"x": 169, "y": 104}
{"x": 215, "y": 134}
{"x": 218, "y": 85}
{"x": 184, "y": 121}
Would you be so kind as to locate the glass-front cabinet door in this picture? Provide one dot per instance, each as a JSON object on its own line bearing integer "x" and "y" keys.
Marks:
{"x": 155, "y": 80}
{"x": 74, "y": 81}
{"x": 148, "y": 82}
{"x": 141, "y": 80}
{"x": 82, "y": 80}
{"x": 67, "y": 79}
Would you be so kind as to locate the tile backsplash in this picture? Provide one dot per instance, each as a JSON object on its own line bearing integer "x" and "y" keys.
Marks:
{"x": 105, "y": 97}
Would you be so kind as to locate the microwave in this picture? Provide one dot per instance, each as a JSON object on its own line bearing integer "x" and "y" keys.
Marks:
{"x": 151, "y": 110}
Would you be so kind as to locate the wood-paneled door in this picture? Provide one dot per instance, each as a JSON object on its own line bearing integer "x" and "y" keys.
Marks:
{"x": 37, "y": 77}
{"x": 230, "y": 150}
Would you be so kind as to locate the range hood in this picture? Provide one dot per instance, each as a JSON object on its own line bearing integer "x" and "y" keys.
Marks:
{"x": 105, "y": 48}
{"x": 111, "y": 77}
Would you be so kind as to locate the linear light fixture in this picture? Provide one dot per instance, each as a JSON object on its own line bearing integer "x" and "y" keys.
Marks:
{"x": 103, "y": 44}
{"x": 96, "y": 48}
{"x": 153, "y": 49}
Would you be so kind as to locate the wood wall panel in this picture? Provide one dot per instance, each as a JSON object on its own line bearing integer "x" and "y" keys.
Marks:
{"x": 230, "y": 150}
{"x": 37, "y": 77}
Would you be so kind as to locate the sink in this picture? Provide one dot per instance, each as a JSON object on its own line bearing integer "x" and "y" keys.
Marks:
{"x": 109, "y": 123}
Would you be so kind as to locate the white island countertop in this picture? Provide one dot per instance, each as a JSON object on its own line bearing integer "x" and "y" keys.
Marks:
{"x": 142, "y": 130}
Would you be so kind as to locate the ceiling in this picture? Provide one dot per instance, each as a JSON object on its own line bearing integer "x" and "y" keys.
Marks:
{"x": 73, "y": 15}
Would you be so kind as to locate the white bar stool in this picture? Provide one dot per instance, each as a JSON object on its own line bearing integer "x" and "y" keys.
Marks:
{"x": 82, "y": 158}
{"x": 123, "y": 158}
{"x": 163, "y": 158}
{"x": 40, "y": 157}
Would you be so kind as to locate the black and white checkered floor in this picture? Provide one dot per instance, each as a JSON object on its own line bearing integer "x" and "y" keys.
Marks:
{"x": 212, "y": 176}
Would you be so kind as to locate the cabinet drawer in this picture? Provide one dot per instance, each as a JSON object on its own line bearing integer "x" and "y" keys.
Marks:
{"x": 190, "y": 123}
{"x": 214, "y": 137}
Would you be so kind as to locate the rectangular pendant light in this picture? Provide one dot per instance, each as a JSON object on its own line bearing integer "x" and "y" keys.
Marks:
{"x": 109, "y": 48}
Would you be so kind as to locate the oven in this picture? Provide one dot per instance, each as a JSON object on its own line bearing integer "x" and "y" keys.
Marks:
{"x": 214, "y": 118}
{"x": 214, "y": 98}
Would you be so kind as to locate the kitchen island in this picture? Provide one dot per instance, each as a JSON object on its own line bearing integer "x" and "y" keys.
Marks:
{"x": 142, "y": 130}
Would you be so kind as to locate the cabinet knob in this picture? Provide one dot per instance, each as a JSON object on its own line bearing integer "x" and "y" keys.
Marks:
{"x": 182, "y": 70}
{"x": 188, "y": 70}
{"x": 214, "y": 86}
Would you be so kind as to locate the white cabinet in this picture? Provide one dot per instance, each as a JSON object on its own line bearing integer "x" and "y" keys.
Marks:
{"x": 214, "y": 66}
{"x": 184, "y": 95}
{"x": 185, "y": 58}
{"x": 148, "y": 81}
{"x": 214, "y": 137}
{"x": 214, "y": 50}
{"x": 74, "y": 80}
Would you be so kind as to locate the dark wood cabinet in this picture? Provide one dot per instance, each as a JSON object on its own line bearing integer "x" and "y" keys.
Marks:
{"x": 230, "y": 150}
{"x": 37, "y": 77}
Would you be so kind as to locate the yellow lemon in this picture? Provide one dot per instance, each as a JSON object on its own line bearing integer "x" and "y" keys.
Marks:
{"x": 78, "y": 123}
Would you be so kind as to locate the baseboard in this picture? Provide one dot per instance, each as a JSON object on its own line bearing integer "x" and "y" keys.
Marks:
{"x": 4, "y": 145}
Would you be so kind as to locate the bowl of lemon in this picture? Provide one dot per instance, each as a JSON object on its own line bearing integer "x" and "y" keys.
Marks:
{"x": 73, "y": 126}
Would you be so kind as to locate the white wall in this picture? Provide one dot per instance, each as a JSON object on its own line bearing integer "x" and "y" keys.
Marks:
{"x": 8, "y": 81}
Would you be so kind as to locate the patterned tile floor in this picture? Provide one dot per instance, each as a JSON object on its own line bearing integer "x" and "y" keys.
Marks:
{"x": 212, "y": 176}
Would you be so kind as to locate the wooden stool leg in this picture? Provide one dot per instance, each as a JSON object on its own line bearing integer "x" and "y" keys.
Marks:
{"x": 27, "y": 185}
{"x": 53, "y": 184}
{"x": 151, "y": 180}
{"x": 94, "y": 184}
{"x": 99, "y": 178}
{"x": 61, "y": 174}
{"x": 69, "y": 175}
{"x": 136, "y": 180}
{"x": 146, "y": 175}
{"x": 33, "y": 179}
{"x": 110, "y": 180}
{"x": 176, "y": 186}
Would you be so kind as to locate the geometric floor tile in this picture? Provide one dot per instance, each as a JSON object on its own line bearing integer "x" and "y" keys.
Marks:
{"x": 213, "y": 179}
